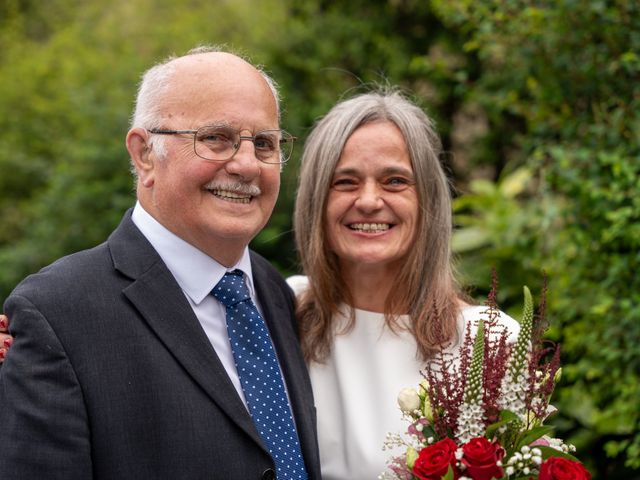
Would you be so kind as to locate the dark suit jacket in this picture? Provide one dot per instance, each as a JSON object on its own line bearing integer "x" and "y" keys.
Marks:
{"x": 111, "y": 375}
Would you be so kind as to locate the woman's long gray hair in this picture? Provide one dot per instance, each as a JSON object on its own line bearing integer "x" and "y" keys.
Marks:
{"x": 428, "y": 292}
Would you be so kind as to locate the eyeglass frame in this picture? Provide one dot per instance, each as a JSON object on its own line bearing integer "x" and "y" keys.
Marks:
{"x": 252, "y": 138}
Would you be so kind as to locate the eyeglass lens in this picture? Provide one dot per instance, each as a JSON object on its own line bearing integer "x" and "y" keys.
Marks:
{"x": 221, "y": 143}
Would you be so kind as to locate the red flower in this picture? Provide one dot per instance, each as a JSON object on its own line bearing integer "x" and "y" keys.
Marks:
{"x": 480, "y": 456}
{"x": 433, "y": 461}
{"x": 558, "y": 468}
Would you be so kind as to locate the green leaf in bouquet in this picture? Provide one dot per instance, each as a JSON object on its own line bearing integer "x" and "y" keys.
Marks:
{"x": 548, "y": 452}
{"x": 428, "y": 431}
{"x": 412, "y": 456}
{"x": 427, "y": 409}
{"x": 449, "y": 475}
{"x": 506, "y": 417}
{"x": 535, "y": 433}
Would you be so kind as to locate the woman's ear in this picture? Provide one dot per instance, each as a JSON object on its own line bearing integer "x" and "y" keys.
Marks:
{"x": 140, "y": 152}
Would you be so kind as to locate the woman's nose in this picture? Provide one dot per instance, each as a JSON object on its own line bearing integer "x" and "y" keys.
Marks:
{"x": 369, "y": 198}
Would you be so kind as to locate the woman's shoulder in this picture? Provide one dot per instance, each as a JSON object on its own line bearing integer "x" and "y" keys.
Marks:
{"x": 298, "y": 283}
{"x": 503, "y": 322}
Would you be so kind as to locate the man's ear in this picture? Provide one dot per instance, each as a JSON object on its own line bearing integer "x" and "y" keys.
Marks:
{"x": 140, "y": 152}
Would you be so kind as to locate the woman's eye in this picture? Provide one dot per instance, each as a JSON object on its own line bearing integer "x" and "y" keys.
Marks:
{"x": 397, "y": 182}
{"x": 343, "y": 183}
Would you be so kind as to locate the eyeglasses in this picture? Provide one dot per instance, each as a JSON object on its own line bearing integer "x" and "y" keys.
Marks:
{"x": 220, "y": 143}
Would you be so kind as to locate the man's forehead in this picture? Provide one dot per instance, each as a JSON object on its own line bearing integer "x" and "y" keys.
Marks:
{"x": 214, "y": 66}
{"x": 199, "y": 103}
{"x": 227, "y": 75}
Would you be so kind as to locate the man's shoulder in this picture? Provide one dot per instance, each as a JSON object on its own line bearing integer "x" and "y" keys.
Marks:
{"x": 82, "y": 269}
{"x": 262, "y": 266}
{"x": 263, "y": 271}
{"x": 74, "y": 269}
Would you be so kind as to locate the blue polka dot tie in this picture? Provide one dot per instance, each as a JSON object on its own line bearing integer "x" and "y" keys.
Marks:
{"x": 260, "y": 376}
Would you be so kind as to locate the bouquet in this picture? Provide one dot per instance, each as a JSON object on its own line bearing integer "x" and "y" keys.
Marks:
{"x": 479, "y": 415}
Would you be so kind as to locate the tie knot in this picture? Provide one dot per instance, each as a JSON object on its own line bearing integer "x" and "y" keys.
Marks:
{"x": 231, "y": 289}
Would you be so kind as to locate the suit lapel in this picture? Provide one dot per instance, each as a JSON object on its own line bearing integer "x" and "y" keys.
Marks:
{"x": 161, "y": 303}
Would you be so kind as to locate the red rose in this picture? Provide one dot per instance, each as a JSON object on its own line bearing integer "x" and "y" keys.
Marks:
{"x": 558, "y": 468}
{"x": 433, "y": 461}
{"x": 481, "y": 456}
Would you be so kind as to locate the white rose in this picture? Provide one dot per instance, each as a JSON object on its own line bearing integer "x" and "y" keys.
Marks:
{"x": 409, "y": 400}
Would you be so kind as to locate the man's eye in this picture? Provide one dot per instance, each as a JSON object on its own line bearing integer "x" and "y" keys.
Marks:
{"x": 265, "y": 143}
{"x": 215, "y": 136}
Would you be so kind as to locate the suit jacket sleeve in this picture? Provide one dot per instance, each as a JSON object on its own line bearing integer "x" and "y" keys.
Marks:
{"x": 47, "y": 434}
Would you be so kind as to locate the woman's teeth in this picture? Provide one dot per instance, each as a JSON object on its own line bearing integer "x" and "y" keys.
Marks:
{"x": 370, "y": 227}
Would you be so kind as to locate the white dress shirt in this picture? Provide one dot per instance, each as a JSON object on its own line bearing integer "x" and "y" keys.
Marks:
{"x": 197, "y": 274}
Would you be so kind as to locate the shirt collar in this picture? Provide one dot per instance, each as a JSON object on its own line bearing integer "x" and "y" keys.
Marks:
{"x": 195, "y": 271}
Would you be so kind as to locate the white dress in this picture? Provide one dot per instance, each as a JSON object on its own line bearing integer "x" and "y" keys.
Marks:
{"x": 356, "y": 391}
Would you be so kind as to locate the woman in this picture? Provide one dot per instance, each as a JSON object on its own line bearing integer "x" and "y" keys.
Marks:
{"x": 373, "y": 228}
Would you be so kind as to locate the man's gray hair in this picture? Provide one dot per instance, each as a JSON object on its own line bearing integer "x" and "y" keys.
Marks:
{"x": 155, "y": 83}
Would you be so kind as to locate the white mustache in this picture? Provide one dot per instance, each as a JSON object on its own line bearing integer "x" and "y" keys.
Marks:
{"x": 236, "y": 187}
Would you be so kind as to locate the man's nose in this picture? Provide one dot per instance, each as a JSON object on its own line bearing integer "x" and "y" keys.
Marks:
{"x": 244, "y": 162}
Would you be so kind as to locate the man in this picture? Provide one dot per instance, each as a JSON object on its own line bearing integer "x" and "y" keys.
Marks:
{"x": 169, "y": 398}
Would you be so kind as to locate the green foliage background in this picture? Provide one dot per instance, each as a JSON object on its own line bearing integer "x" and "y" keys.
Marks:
{"x": 537, "y": 102}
